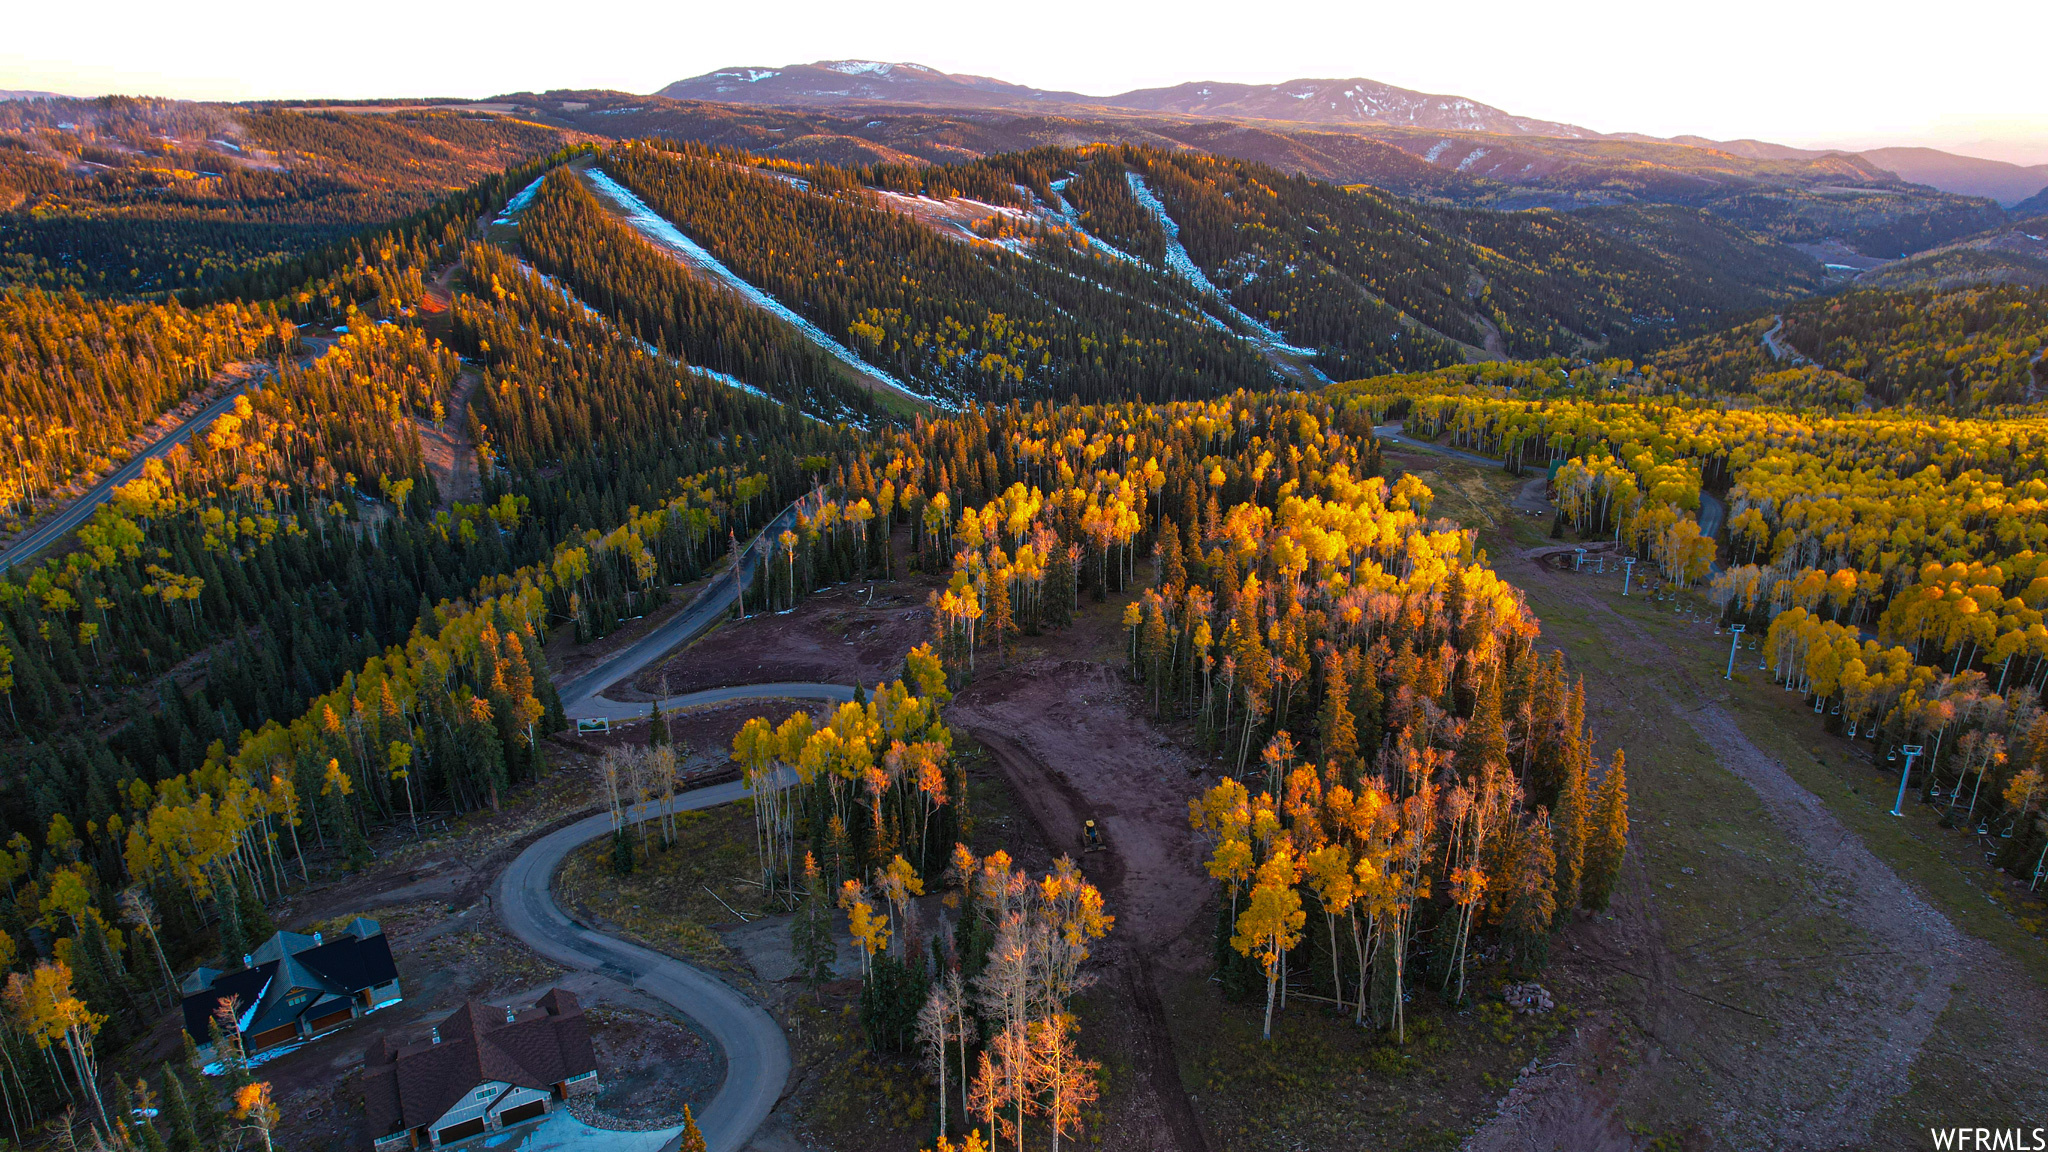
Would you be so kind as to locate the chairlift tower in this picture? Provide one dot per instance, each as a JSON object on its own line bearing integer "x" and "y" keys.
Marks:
{"x": 1912, "y": 751}
{"x": 1628, "y": 571}
{"x": 1733, "y": 641}
{"x": 1578, "y": 559}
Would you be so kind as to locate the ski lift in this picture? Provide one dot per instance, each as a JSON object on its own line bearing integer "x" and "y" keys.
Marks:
{"x": 1891, "y": 756}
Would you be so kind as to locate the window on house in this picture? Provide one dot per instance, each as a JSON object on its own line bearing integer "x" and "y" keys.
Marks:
{"x": 483, "y": 1093}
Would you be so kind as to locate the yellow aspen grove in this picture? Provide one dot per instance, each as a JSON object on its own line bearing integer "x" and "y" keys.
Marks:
{"x": 45, "y": 1007}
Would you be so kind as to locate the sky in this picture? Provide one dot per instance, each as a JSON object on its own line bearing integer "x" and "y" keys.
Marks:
{"x": 1793, "y": 71}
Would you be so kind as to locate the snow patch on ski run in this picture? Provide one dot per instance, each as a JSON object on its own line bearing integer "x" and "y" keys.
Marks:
{"x": 1181, "y": 264}
{"x": 1072, "y": 218}
{"x": 518, "y": 203}
{"x": 730, "y": 381}
{"x": 656, "y": 228}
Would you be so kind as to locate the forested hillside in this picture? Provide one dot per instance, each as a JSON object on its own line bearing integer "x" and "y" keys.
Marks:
{"x": 136, "y": 195}
{"x": 78, "y": 378}
{"x": 1115, "y": 271}
{"x": 1343, "y": 269}
{"x": 1958, "y": 351}
{"x": 285, "y": 623}
{"x": 1891, "y": 561}
{"x": 959, "y": 320}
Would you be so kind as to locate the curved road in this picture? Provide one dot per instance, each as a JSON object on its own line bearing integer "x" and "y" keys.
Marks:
{"x": 756, "y": 1052}
{"x": 80, "y": 510}
{"x": 582, "y": 695}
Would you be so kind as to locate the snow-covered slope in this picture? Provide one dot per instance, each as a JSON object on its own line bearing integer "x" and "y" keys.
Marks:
{"x": 658, "y": 230}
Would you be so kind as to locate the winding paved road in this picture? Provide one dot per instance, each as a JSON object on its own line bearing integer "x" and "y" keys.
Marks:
{"x": 756, "y": 1052}
{"x": 583, "y": 695}
{"x": 59, "y": 525}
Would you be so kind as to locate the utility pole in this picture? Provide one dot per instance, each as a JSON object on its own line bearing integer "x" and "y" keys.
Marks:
{"x": 1911, "y": 751}
{"x": 1628, "y": 570}
{"x": 1732, "y": 642}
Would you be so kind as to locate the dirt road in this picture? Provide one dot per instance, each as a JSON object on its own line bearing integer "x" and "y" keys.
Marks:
{"x": 1113, "y": 767}
{"x": 1797, "y": 1052}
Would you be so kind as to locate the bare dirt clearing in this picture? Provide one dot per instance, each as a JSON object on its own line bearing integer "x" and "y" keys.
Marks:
{"x": 836, "y": 636}
{"x": 446, "y": 448}
{"x": 1134, "y": 782}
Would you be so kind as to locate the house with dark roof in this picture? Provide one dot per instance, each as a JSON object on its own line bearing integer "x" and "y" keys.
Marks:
{"x": 479, "y": 1070}
{"x": 295, "y": 987}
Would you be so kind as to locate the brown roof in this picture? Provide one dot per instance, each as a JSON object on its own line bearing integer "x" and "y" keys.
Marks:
{"x": 405, "y": 1087}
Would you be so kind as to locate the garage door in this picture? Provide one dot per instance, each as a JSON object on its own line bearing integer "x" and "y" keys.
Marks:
{"x": 526, "y": 1111}
{"x": 332, "y": 1020}
{"x": 462, "y": 1131}
{"x": 278, "y": 1035}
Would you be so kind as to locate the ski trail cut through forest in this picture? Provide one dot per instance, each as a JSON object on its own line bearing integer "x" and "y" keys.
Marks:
{"x": 1846, "y": 1050}
{"x": 1183, "y": 265}
{"x": 697, "y": 370}
{"x": 660, "y": 232}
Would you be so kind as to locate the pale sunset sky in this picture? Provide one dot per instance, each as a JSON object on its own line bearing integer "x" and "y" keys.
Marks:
{"x": 1793, "y": 71}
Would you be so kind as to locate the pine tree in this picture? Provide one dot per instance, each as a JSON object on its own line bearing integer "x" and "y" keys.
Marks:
{"x": 1486, "y": 739}
{"x": 257, "y": 925}
{"x": 179, "y": 1114}
{"x": 1338, "y": 731}
{"x": 138, "y": 1102}
{"x": 657, "y": 726}
{"x": 810, "y": 935}
{"x": 1569, "y": 826}
{"x": 1173, "y": 572}
{"x": 1608, "y": 843}
{"x": 1531, "y": 895}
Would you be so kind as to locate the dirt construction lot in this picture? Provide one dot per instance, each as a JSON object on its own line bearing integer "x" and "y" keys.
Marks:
{"x": 1134, "y": 782}
{"x": 838, "y": 636}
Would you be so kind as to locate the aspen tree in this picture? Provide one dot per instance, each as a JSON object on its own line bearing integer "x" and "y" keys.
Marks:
{"x": 1272, "y": 923}
{"x": 253, "y": 1104}
{"x": 1064, "y": 1081}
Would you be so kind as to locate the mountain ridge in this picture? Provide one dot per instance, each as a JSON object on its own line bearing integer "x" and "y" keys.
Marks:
{"x": 1354, "y": 101}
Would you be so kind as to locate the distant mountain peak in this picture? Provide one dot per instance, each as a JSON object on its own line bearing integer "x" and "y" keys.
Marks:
{"x": 872, "y": 67}
{"x": 1354, "y": 100}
